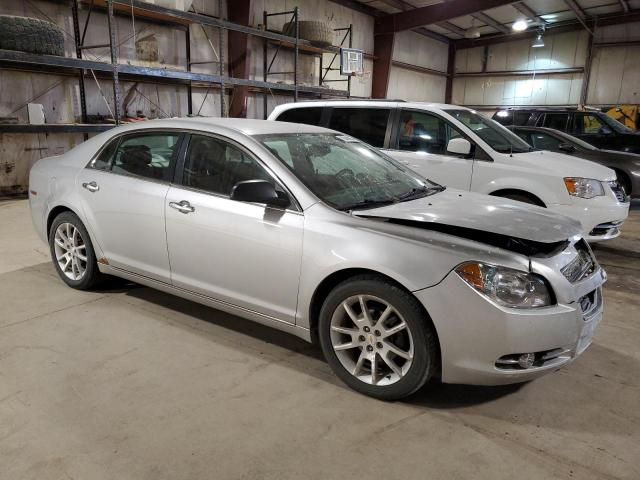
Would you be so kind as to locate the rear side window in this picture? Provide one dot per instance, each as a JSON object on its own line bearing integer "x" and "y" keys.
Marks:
{"x": 103, "y": 160}
{"x": 307, "y": 115}
{"x": 557, "y": 121}
{"x": 366, "y": 124}
{"x": 146, "y": 155}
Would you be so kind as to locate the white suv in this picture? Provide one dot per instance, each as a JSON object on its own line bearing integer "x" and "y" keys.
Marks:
{"x": 462, "y": 149}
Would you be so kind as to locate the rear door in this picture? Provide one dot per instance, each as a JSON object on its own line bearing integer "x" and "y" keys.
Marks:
{"x": 123, "y": 192}
{"x": 420, "y": 141}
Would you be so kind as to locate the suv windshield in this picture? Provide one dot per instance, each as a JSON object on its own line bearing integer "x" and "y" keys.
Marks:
{"x": 495, "y": 135}
{"x": 346, "y": 173}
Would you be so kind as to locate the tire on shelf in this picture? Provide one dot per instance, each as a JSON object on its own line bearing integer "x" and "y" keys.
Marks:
{"x": 318, "y": 33}
{"x": 31, "y": 35}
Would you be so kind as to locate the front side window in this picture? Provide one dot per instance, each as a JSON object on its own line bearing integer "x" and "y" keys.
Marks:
{"x": 148, "y": 155}
{"x": 586, "y": 124}
{"x": 345, "y": 173}
{"x": 366, "y": 124}
{"x": 215, "y": 166}
{"x": 495, "y": 135}
{"x": 557, "y": 121}
{"x": 597, "y": 124}
{"x": 423, "y": 132}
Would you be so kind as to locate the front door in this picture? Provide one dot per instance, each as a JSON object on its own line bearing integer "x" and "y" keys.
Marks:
{"x": 421, "y": 144}
{"x": 123, "y": 193}
{"x": 245, "y": 254}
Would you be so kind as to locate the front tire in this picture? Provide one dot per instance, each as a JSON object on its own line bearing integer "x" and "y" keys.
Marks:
{"x": 377, "y": 338}
{"x": 72, "y": 252}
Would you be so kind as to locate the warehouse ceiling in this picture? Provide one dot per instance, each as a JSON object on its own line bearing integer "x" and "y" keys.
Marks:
{"x": 498, "y": 21}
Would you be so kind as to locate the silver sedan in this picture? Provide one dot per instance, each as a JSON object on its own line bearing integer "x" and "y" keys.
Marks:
{"x": 315, "y": 233}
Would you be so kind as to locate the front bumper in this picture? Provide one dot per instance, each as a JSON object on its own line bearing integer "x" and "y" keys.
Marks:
{"x": 475, "y": 333}
{"x": 601, "y": 217}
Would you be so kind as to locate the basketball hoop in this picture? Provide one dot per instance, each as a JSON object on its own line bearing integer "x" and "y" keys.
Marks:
{"x": 351, "y": 61}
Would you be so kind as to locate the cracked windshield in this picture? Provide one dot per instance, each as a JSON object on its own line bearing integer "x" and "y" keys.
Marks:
{"x": 346, "y": 173}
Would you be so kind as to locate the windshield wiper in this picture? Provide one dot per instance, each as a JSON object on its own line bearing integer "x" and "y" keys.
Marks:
{"x": 415, "y": 193}
{"x": 368, "y": 203}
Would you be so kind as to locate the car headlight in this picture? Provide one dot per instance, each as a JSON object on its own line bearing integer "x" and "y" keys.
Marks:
{"x": 583, "y": 187}
{"x": 506, "y": 286}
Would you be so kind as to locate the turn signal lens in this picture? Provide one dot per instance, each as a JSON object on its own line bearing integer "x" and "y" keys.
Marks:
{"x": 583, "y": 187}
{"x": 506, "y": 286}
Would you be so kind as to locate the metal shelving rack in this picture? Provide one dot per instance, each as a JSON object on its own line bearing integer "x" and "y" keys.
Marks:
{"x": 113, "y": 71}
{"x": 302, "y": 47}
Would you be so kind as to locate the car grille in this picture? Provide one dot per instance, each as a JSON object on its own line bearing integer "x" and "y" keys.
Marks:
{"x": 580, "y": 267}
{"x": 619, "y": 192}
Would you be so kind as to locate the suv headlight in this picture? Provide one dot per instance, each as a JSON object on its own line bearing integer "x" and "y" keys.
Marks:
{"x": 583, "y": 187}
{"x": 506, "y": 286}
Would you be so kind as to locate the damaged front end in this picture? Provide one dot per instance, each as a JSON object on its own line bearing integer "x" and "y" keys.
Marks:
{"x": 506, "y": 242}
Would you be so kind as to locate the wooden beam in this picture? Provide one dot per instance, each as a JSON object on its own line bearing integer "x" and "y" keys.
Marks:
{"x": 431, "y": 14}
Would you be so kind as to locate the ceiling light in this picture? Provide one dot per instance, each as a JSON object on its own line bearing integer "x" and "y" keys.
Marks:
{"x": 519, "y": 26}
{"x": 472, "y": 32}
{"x": 538, "y": 42}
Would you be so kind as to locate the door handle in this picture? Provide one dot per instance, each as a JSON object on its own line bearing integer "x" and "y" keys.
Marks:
{"x": 182, "y": 207}
{"x": 91, "y": 186}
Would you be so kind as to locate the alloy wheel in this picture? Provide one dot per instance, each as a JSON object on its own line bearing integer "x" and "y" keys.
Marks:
{"x": 371, "y": 340}
{"x": 71, "y": 251}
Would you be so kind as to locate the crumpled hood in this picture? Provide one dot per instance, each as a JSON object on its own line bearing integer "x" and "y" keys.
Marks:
{"x": 483, "y": 213}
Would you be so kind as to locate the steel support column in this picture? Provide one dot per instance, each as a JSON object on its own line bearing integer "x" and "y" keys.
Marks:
{"x": 383, "y": 59}
{"x": 451, "y": 69}
{"x": 239, "y": 11}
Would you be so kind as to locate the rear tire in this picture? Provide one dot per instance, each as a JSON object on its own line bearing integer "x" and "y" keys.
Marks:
{"x": 390, "y": 351}
{"x": 72, "y": 252}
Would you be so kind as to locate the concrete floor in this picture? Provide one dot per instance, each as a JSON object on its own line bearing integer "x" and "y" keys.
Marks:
{"x": 130, "y": 383}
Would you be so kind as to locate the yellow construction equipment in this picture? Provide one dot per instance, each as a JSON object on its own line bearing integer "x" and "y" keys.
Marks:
{"x": 626, "y": 114}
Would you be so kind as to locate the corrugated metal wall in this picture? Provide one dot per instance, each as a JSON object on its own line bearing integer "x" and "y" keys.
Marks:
{"x": 567, "y": 50}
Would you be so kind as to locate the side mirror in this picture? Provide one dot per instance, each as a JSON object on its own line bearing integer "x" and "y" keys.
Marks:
{"x": 460, "y": 146}
{"x": 567, "y": 147}
{"x": 258, "y": 191}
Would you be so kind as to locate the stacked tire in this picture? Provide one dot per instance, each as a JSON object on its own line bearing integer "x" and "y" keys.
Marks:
{"x": 31, "y": 35}
{"x": 318, "y": 33}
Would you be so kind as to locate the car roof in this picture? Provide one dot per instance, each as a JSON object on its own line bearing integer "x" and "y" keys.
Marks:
{"x": 547, "y": 109}
{"x": 372, "y": 102}
{"x": 242, "y": 125}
